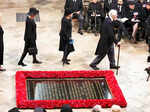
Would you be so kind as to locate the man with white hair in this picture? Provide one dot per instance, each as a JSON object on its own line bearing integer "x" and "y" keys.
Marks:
{"x": 106, "y": 42}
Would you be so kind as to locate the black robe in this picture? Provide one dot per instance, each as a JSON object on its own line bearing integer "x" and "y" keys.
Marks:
{"x": 65, "y": 35}
{"x": 30, "y": 31}
{"x": 1, "y": 46}
{"x": 107, "y": 38}
{"x": 30, "y": 34}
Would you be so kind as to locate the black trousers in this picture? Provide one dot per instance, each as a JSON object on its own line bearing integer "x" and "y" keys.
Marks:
{"x": 1, "y": 52}
{"x": 111, "y": 57}
{"x": 25, "y": 51}
{"x": 95, "y": 22}
{"x": 66, "y": 53}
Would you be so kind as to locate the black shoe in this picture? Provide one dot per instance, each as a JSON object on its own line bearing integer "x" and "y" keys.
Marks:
{"x": 114, "y": 67}
{"x": 22, "y": 64}
{"x": 68, "y": 59}
{"x": 147, "y": 70}
{"x": 65, "y": 62}
{"x": 2, "y": 69}
{"x": 81, "y": 33}
{"x": 37, "y": 62}
{"x": 135, "y": 42}
{"x": 94, "y": 67}
{"x": 148, "y": 59}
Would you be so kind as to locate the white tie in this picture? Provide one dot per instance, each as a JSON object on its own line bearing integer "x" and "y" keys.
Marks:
{"x": 109, "y": 1}
{"x": 120, "y": 8}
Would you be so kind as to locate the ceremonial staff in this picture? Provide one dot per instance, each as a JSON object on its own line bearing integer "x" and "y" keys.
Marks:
{"x": 118, "y": 59}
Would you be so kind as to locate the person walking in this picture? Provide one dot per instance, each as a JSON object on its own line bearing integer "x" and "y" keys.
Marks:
{"x": 1, "y": 46}
{"x": 30, "y": 37}
{"x": 106, "y": 43}
{"x": 66, "y": 42}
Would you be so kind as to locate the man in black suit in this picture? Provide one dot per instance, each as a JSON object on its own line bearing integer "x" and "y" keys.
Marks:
{"x": 119, "y": 7}
{"x": 147, "y": 27}
{"x": 30, "y": 38}
{"x": 106, "y": 42}
{"x": 96, "y": 14}
{"x": 76, "y": 7}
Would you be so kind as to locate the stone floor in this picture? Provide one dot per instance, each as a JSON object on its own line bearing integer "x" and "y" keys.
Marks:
{"x": 131, "y": 78}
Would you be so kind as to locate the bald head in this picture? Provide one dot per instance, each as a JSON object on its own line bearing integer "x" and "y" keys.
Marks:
{"x": 94, "y": 1}
{"x": 120, "y": 2}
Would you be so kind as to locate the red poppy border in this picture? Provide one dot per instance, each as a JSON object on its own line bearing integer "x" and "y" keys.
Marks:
{"x": 23, "y": 102}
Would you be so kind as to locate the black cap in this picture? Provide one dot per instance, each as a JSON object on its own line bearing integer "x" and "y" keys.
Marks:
{"x": 33, "y": 11}
{"x": 67, "y": 12}
{"x": 66, "y": 108}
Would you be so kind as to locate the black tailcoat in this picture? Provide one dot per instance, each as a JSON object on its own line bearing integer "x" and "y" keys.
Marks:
{"x": 1, "y": 45}
{"x": 107, "y": 38}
